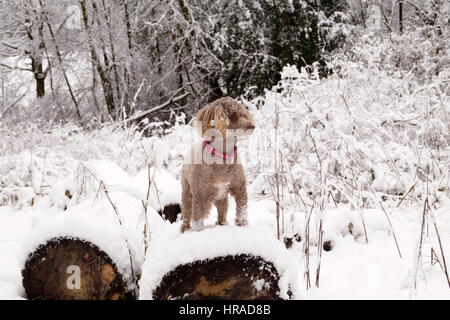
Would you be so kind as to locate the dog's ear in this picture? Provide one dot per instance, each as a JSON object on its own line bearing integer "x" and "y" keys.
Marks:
{"x": 211, "y": 117}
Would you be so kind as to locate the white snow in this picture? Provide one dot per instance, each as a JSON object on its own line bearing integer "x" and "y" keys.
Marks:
{"x": 97, "y": 222}
{"x": 348, "y": 144}
{"x": 164, "y": 188}
{"x": 351, "y": 270}
{"x": 261, "y": 284}
{"x": 214, "y": 242}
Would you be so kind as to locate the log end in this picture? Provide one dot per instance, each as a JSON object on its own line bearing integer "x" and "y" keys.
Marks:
{"x": 170, "y": 212}
{"x": 237, "y": 277}
{"x": 72, "y": 269}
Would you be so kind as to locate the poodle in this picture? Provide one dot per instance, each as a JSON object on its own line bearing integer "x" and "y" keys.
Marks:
{"x": 211, "y": 169}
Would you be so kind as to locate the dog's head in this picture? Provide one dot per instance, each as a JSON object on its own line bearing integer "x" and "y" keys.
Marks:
{"x": 222, "y": 115}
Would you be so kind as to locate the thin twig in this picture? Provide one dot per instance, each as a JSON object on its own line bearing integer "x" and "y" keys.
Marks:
{"x": 102, "y": 186}
{"x": 392, "y": 228}
{"x": 165, "y": 104}
{"x": 410, "y": 190}
{"x": 319, "y": 247}
{"x": 419, "y": 253}
{"x": 442, "y": 252}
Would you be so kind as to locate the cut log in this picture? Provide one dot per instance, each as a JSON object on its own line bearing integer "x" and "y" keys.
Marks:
{"x": 233, "y": 277}
{"x": 72, "y": 269}
{"x": 170, "y": 212}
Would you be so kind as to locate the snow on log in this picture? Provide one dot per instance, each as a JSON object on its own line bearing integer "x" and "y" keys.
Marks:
{"x": 233, "y": 277}
{"x": 219, "y": 263}
{"x": 116, "y": 233}
{"x": 72, "y": 269}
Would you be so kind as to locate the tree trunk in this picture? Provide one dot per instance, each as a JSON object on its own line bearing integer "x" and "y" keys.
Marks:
{"x": 58, "y": 53}
{"x": 71, "y": 269}
{"x": 106, "y": 84}
{"x": 39, "y": 76}
{"x": 110, "y": 98}
{"x": 239, "y": 277}
{"x": 34, "y": 20}
{"x": 128, "y": 24}
{"x": 114, "y": 61}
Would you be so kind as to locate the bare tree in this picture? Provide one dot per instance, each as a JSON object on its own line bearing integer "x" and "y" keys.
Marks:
{"x": 24, "y": 37}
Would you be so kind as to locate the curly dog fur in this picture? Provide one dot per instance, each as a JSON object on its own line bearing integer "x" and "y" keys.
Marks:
{"x": 207, "y": 178}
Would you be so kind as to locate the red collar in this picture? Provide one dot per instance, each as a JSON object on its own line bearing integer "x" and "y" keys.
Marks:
{"x": 215, "y": 153}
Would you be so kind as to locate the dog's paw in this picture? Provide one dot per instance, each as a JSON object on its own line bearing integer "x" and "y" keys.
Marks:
{"x": 241, "y": 222}
{"x": 221, "y": 223}
{"x": 185, "y": 227}
{"x": 197, "y": 225}
{"x": 241, "y": 216}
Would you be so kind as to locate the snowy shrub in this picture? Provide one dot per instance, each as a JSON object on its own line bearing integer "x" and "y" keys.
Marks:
{"x": 357, "y": 137}
{"x": 36, "y": 158}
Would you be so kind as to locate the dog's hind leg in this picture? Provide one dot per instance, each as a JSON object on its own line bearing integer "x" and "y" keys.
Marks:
{"x": 186, "y": 205}
{"x": 222, "y": 210}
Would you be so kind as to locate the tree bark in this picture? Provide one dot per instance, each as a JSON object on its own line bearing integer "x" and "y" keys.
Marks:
{"x": 58, "y": 53}
{"x": 106, "y": 84}
{"x": 117, "y": 80}
{"x": 128, "y": 24}
{"x": 400, "y": 16}
{"x": 36, "y": 54}
{"x": 126, "y": 72}
{"x": 39, "y": 75}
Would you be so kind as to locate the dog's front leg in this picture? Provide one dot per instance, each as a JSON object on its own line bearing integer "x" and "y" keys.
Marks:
{"x": 239, "y": 192}
{"x": 222, "y": 209}
{"x": 186, "y": 205}
{"x": 200, "y": 211}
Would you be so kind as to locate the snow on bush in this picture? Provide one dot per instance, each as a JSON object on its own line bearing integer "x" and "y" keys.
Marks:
{"x": 34, "y": 160}
{"x": 357, "y": 137}
{"x": 159, "y": 185}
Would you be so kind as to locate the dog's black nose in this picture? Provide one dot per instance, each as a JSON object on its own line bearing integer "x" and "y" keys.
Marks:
{"x": 250, "y": 127}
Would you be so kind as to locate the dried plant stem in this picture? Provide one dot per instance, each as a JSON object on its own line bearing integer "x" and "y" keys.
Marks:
{"x": 365, "y": 230}
{"x": 419, "y": 252}
{"x": 319, "y": 248}
{"x": 119, "y": 219}
{"x": 406, "y": 194}
{"x": 315, "y": 148}
{"x": 277, "y": 120}
{"x": 442, "y": 253}
{"x": 145, "y": 205}
{"x": 434, "y": 257}
{"x": 102, "y": 186}
{"x": 390, "y": 224}
{"x": 306, "y": 250}
{"x": 282, "y": 197}
{"x": 392, "y": 229}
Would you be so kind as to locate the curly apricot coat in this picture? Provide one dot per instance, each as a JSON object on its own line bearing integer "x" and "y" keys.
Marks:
{"x": 207, "y": 178}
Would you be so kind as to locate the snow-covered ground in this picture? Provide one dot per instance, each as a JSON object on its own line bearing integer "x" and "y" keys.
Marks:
{"x": 353, "y": 269}
{"x": 354, "y": 152}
